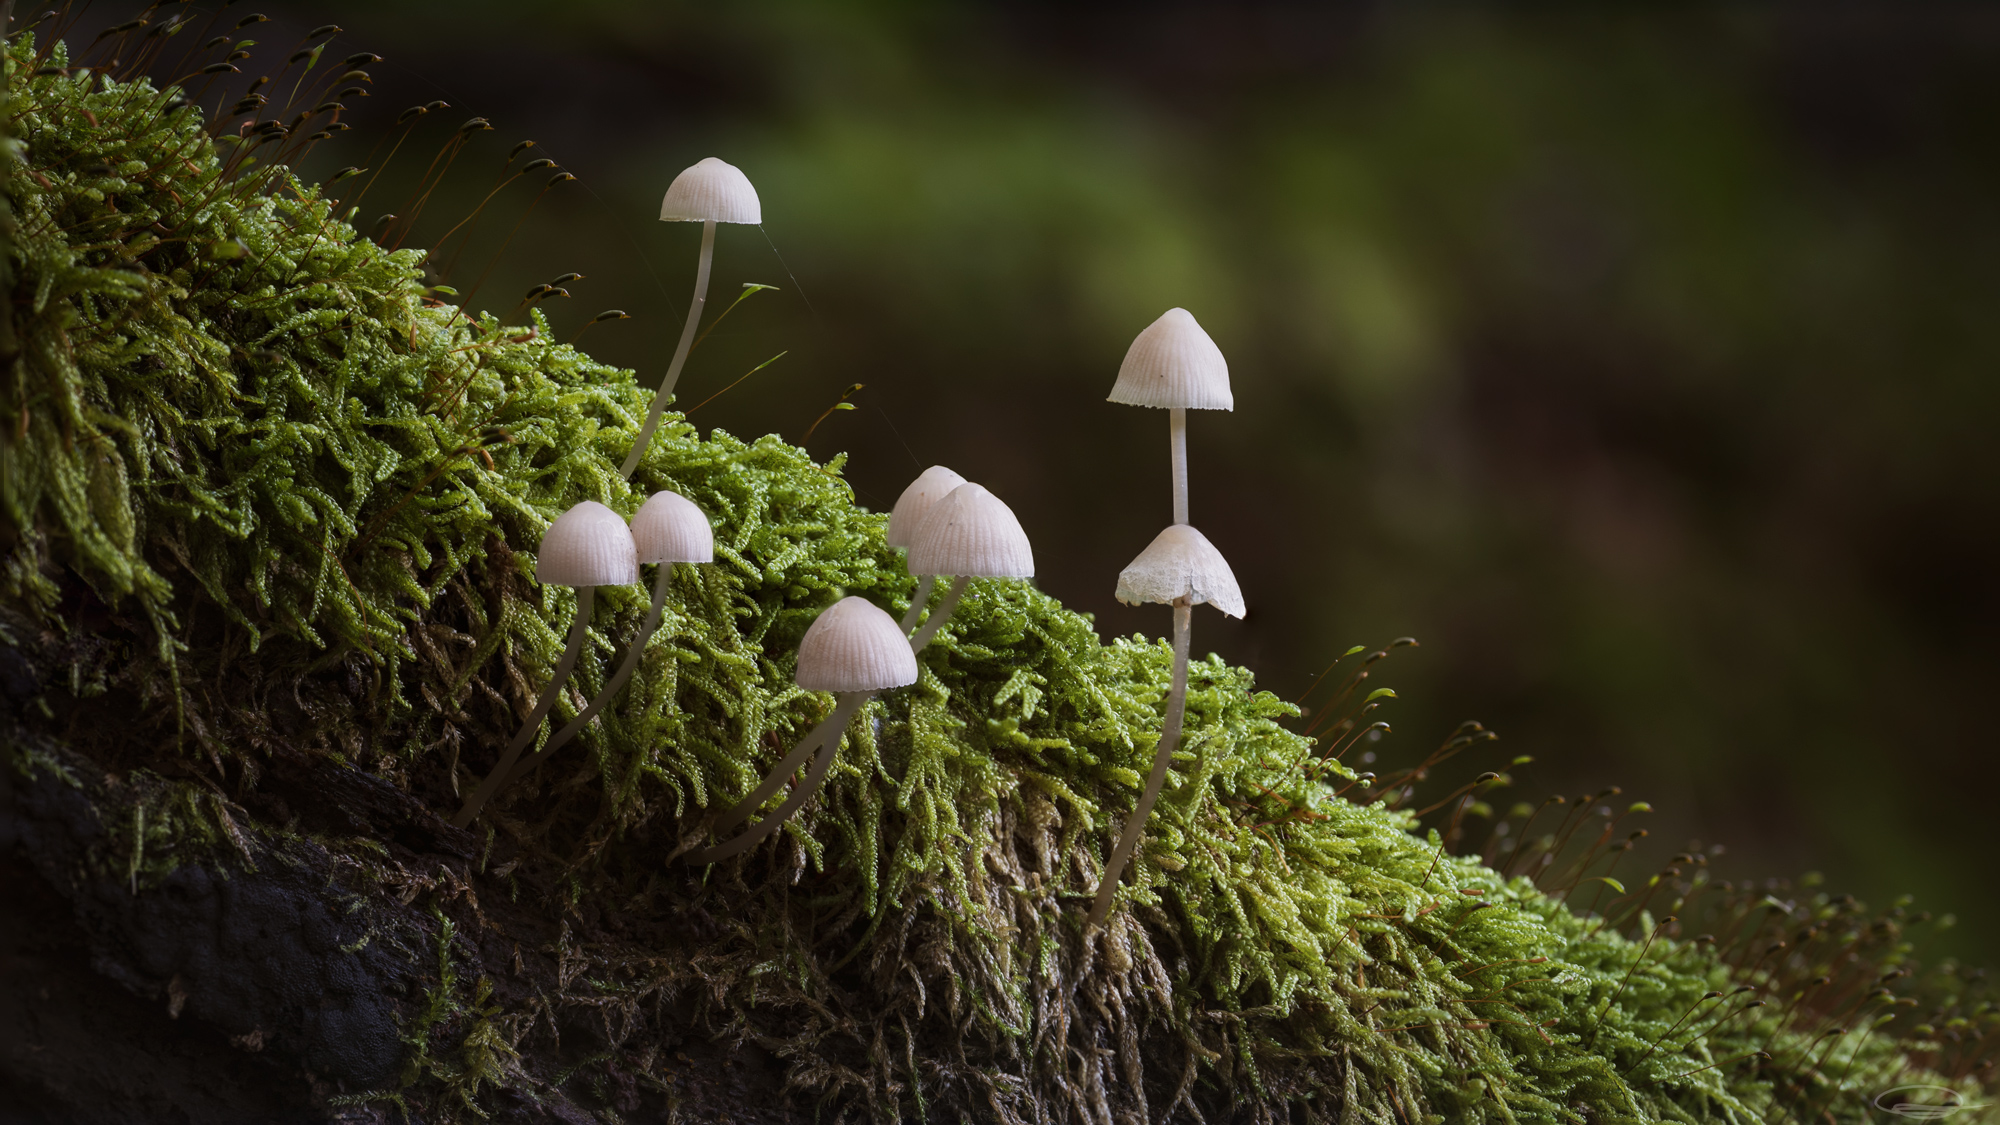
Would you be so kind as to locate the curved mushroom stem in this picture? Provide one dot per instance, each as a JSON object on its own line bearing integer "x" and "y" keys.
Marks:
{"x": 584, "y": 597}
{"x": 611, "y": 687}
{"x": 666, "y": 390}
{"x": 827, "y": 736}
{"x": 918, "y": 600}
{"x": 1177, "y": 435}
{"x": 1170, "y": 738}
{"x": 941, "y": 614}
{"x": 789, "y": 765}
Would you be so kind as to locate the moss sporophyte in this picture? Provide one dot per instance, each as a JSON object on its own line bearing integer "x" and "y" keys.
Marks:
{"x": 276, "y": 497}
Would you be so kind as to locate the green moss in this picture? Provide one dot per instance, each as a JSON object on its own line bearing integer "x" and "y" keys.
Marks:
{"x": 304, "y": 494}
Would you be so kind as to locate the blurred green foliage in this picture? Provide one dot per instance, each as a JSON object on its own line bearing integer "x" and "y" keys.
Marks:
{"x": 1642, "y": 364}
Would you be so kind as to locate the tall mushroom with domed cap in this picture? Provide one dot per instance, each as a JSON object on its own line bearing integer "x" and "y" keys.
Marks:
{"x": 1173, "y": 364}
{"x": 587, "y": 547}
{"x": 931, "y": 486}
{"x": 853, "y": 650}
{"x": 1183, "y": 569}
{"x": 667, "y": 529}
{"x": 969, "y": 534}
{"x": 712, "y": 191}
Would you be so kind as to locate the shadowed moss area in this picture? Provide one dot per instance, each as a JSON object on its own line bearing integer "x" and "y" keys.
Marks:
{"x": 267, "y": 494}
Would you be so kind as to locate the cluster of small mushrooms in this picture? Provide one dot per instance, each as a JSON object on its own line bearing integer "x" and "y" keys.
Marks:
{"x": 947, "y": 526}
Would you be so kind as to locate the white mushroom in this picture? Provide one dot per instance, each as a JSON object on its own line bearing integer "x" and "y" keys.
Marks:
{"x": 931, "y": 486}
{"x": 1180, "y": 562}
{"x": 854, "y": 650}
{"x": 1173, "y": 364}
{"x": 853, "y": 646}
{"x": 969, "y": 534}
{"x": 668, "y": 528}
{"x": 712, "y": 191}
{"x": 1183, "y": 569}
{"x": 587, "y": 547}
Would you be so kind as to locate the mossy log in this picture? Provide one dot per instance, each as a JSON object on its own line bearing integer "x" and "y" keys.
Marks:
{"x": 268, "y": 515}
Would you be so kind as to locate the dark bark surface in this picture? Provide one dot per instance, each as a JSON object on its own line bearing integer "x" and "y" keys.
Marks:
{"x": 243, "y": 989}
{"x": 77, "y": 1047}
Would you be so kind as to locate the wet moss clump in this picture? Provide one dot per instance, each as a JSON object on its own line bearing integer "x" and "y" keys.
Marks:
{"x": 268, "y": 498}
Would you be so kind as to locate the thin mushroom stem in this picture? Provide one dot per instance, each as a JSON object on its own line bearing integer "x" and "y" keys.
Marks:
{"x": 1170, "y": 738}
{"x": 577, "y": 631}
{"x": 611, "y": 688}
{"x": 666, "y": 390}
{"x": 790, "y": 764}
{"x": 941, "y": 614}
{"x": 918, "y": 600}
{"x": 827, "y": 736}
{"x": 1177, "y": 437}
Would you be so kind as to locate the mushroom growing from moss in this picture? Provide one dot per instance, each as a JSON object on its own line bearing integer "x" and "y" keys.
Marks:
{"x": 931, "y": 486}
{"x": 712, "y": 191}
{"x": 853, "y": 649}
{"x": 1174, "y": 365}
{"x": 969, "y": 534}
{"x": 587, "y": 547}
{"x": 1183, "y": 569}
{"x": 667, "y": 529}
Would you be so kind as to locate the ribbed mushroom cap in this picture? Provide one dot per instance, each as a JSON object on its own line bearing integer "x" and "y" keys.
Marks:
{"x": 971, "y": 533}
{"x": 1181, "y": 563}
{"x": 712, "y": 189}
{"x": 931, "y": 486}
{"x": 587, "y": 546}
{"x": 854, "y": 646}
{"x": 1174, "y": 363}
{"x": 668, "y": 528}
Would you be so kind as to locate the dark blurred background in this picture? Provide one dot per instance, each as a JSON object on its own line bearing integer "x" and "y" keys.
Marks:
{"x": 1641, "y": 364}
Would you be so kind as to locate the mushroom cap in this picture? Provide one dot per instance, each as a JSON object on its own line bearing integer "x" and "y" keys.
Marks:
{"x": 1181, "y": 563}
{"x": 587, "y": 546}
{"x": 1174, "y": 363}
{"x": 931, "y": 486}
{"x": 712, "y": 190}
{"x": 854, "y": 646}
{"x": 973, "y": 534}
{"x": 668, "y": 528}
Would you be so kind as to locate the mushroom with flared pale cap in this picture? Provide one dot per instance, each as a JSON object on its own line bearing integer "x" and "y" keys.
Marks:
{"x": 667, "y": 529}
{"x": 969, "y": 534}
{"x": 587, "y": 547}
{"x": 931, "y": 486}
{"x": 712, "y": 191}
{"x": 1183, "y": 569}
{"x": 853, "y": 650}
{"x": 1174, "y": 365}
{"x": 1179, "y": 563}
